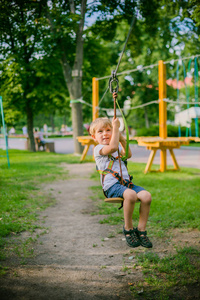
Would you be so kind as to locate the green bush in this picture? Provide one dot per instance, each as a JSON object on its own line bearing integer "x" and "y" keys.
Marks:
{"x": 152, "y": 131}
{"x": 172, "y": 131}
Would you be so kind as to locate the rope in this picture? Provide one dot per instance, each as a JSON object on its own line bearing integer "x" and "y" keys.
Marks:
{"x": 131, "y": 27}
{"x": 81, "y": 101}
{"x": 182, "y": 102}
{"x": 145, "y": 104}
{"x": 127, "y": 133}
{"x": 103, "y": 95}
{"x": 183, "y": 58}
{"x": 135, "y": 107}
{"x": 139, "y": 68}
{"x": 177, "y": 78}
{"x": 190, "y": 129}
{"x": 115, "y": 90}
{"x": 138, "y": 106}
{"x": 196, "y": 93}
{"x": 126, "y": 41}
{"x": 120, "y": 165}
{"x": 187, "y": 95}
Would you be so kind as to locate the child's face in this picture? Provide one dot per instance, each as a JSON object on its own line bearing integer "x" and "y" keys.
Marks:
{"x": 103, "y": 134}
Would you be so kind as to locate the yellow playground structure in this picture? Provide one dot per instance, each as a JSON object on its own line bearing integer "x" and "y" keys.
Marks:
{"x": 162, "y": 142}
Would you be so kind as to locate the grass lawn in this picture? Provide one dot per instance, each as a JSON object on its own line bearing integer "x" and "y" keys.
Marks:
{"x": 175, "y": 205}
{"x": 193, "y": 144}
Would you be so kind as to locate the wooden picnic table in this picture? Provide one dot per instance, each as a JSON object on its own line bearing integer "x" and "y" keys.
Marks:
{"x": 157, "y": 143}
{"x": 151, "y": 143}
{"x": 86, "y": 141}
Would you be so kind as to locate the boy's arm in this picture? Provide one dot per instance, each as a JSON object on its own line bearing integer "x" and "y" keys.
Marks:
{"x": 114, "y": 142}
{"x": 122, "y": 141}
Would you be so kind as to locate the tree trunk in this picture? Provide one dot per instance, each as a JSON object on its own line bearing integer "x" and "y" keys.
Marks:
{"x": 73, "y": 75}
{"x": 73, "y": 79}
{"x": 29, "y": 114}
{"x": 75, "y": 90}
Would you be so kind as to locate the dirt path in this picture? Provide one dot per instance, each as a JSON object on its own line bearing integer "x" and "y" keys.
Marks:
{"x": 76, "y": 259}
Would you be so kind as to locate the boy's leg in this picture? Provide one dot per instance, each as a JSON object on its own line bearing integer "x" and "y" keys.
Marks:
{"x": 145, "y": 198}
{"x": 130, "y": 197}
{"x": 130, "y": 233}
{"x": 138, "y": 236}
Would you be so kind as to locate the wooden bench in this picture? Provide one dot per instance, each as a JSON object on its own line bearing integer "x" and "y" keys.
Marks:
{"x": 47, "y": 147}
{"x": 50, "y": 147}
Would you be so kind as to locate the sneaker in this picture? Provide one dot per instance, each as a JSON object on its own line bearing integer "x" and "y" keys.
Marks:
{"x": 144, "y": 240}
{"x": 132, "y": 239}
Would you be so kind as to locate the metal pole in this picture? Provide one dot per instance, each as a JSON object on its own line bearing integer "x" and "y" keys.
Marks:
{"x": 5, "y": 133}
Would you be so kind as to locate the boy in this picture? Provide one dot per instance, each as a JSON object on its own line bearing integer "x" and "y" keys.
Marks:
{"x": 108, "y": 137}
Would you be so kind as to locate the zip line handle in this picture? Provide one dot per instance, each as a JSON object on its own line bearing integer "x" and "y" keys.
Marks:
{"x": 113, "y": 81}
{"x": 114, "y": 99}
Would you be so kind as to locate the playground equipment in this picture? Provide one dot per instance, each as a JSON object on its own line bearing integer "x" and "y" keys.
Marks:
{"x": 85, "y": 141}
{"x": 162, "y": 143}
{"x": 184, "y": 118}
{"x": 4, "y": 132}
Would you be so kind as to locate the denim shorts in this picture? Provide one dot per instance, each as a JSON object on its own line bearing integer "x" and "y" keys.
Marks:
{"x": 117, "y": 190}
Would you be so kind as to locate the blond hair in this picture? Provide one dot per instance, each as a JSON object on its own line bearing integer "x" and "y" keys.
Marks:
{"x": 104, "y": 121}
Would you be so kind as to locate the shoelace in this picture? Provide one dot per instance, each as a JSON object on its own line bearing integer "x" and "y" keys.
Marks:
{"x": 134, "y": 237}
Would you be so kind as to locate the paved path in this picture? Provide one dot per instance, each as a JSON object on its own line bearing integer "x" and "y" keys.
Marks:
{"x": 186, "y": 156}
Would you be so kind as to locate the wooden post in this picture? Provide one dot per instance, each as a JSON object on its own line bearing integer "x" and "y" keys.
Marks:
{"x": 162, "y": 104}
{"x": 95, "y": 98}
{"x": 162, "y": 112}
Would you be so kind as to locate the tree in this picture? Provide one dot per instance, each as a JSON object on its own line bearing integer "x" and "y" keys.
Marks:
{"x": 49, "y": 28}
{"x": 31, "y": 79}
{"x": 55, "y": 32}
{"x": 172, "y": 35}
{"x": 67, "y": 20}
{"x": 20, "y": 46}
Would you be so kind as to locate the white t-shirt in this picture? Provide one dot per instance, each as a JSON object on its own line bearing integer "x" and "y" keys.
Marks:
{"x": 102, "y": 162}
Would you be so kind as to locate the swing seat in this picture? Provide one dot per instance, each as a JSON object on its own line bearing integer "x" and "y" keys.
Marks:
{"x": 114, "y": 200}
